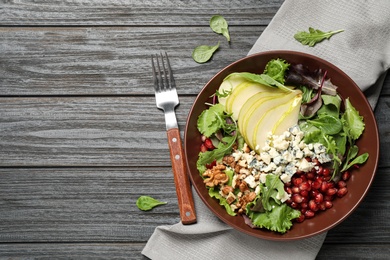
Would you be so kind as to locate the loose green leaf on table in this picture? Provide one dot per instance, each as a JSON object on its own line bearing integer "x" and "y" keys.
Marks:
{"x": 314, "y": 36}
{"x": 203, "y": 53}
{"x": 219, "y": 25}
{"x": 147, "y": 203}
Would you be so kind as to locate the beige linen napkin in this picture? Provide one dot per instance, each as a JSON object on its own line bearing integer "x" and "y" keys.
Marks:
{"x": 362, "y": 51}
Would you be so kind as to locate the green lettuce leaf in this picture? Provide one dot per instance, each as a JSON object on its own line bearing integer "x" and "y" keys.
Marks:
{"x": 279, "y": 219}
{"x": 271, "y": 190}
{"x": 210, "y": 121}
{"x": 214, "y": 193}
{"x": 353, "y": 122}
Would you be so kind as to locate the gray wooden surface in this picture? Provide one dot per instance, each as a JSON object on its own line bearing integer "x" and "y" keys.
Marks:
{"x": 81, "y": 138}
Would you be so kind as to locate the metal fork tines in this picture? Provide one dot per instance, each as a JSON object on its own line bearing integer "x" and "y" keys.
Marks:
{"x": 165, "y": 89}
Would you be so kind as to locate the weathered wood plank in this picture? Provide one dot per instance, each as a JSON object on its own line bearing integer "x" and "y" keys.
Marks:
{"x": 133, "y": 251}
{"x": 91, "y": 251}
{"x": 84, "y": 131}
{"x": 130, "y": 13}
{"x": 79, "y": 204}
{"x": 98, "y": 205}
{"x": 348, "y": 251}
{"x": 110, "y": 61}
{"x": 104, "y": 131}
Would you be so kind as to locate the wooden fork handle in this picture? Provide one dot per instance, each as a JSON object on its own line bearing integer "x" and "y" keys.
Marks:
{"x": 182, "y": 182}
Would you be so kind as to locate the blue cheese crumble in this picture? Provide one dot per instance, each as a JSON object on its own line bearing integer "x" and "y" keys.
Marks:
{"x": 281, "y": 155}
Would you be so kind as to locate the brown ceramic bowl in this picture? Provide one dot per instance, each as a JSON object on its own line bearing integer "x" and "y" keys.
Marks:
{"x": 359, "y": 182}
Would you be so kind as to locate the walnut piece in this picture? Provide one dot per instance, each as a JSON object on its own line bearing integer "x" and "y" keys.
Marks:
{"x": 216, "y": 176}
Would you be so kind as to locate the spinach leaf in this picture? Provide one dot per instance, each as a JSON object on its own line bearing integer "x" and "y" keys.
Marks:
{"x": 314, "y": 36}
{"x": 219, "y": 25}
{"x": 358, "y": 160}
{"x": 331, "y": 105}
{"x": 353, "y": 122}
{"x": 147, "y": 203}
{"x": 203, "y": 53}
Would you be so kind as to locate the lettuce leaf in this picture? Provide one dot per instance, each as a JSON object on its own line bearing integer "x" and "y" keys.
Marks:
{"x": 353, "y": 122}
{"x": 279, "y": 219}
{"x": 210, "y": 121}
{"x": 271, "y": 191}
{"x": 214, "y": 193}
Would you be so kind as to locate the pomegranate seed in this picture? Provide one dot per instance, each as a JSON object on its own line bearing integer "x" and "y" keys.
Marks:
{"x": 346, "y": 175}
{"x": 324, "y": 186}
{"x": 296, "y": 198}
{"x": 203, "y": 148}
{"x": 313, "y": 205}
{"x": 209, "y": 144}
{"x": 304, "y": 205}
{"x": 314, "y": 193}
{"x": 300, "y": 219}
{"x": 295, "y": 189}
{"x": 203, "y": 138}
{"x": 304, "y": 193}
{"x": 331, "y": 184}
{"x": 341, "y": 184}
{"x": 331, "y": 191}
{"x": 297, "y": 181}
{"x": 341, "y": 192}
{"x": 308, "y": 159}
{"x": 305, "y": 186}
{"x": 316, "y": 184}
{"x": 328, "y": 204}
{"x": 289, "y": 201}
{"x": 288, "y": 190}
{"x": 319, "y": 198}
{"x": 322, "y": 206}
{"x": 288, "y": 184}
{"x": 310, "y": 176}
{"x": 294, "y": 205}
{"x": 309, "y": 214}
{"x": 326, "y": 172}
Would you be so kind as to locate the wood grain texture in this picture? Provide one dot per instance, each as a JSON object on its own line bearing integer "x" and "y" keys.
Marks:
{"x": 110, "y": 60}
{"x": 140, "y": 13}
{"x": 181, "y": 177}
{"x": 98, "y": 205}
{"x": 100, "y": 131}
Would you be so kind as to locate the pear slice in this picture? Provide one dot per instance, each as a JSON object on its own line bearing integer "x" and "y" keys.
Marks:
{"x": 262, "y": 118}
{"x": 251, "y": 105}
{"x": 240, "y": 95}
{"x": 277, "y": 120}
{"x": 227, "y": 87}
{"x": 289, "y": 118}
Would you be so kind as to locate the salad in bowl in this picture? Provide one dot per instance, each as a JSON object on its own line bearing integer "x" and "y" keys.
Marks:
{"x": 274, "y": 142}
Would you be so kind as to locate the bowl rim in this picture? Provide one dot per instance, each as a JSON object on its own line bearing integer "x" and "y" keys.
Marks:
{"x": 373, "y": 126}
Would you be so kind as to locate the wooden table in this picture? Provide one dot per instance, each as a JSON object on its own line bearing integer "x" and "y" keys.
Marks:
{"x": 81, "y": 138}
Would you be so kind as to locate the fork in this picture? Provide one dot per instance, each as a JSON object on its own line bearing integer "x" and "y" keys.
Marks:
{"x": 166, "y": 100}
